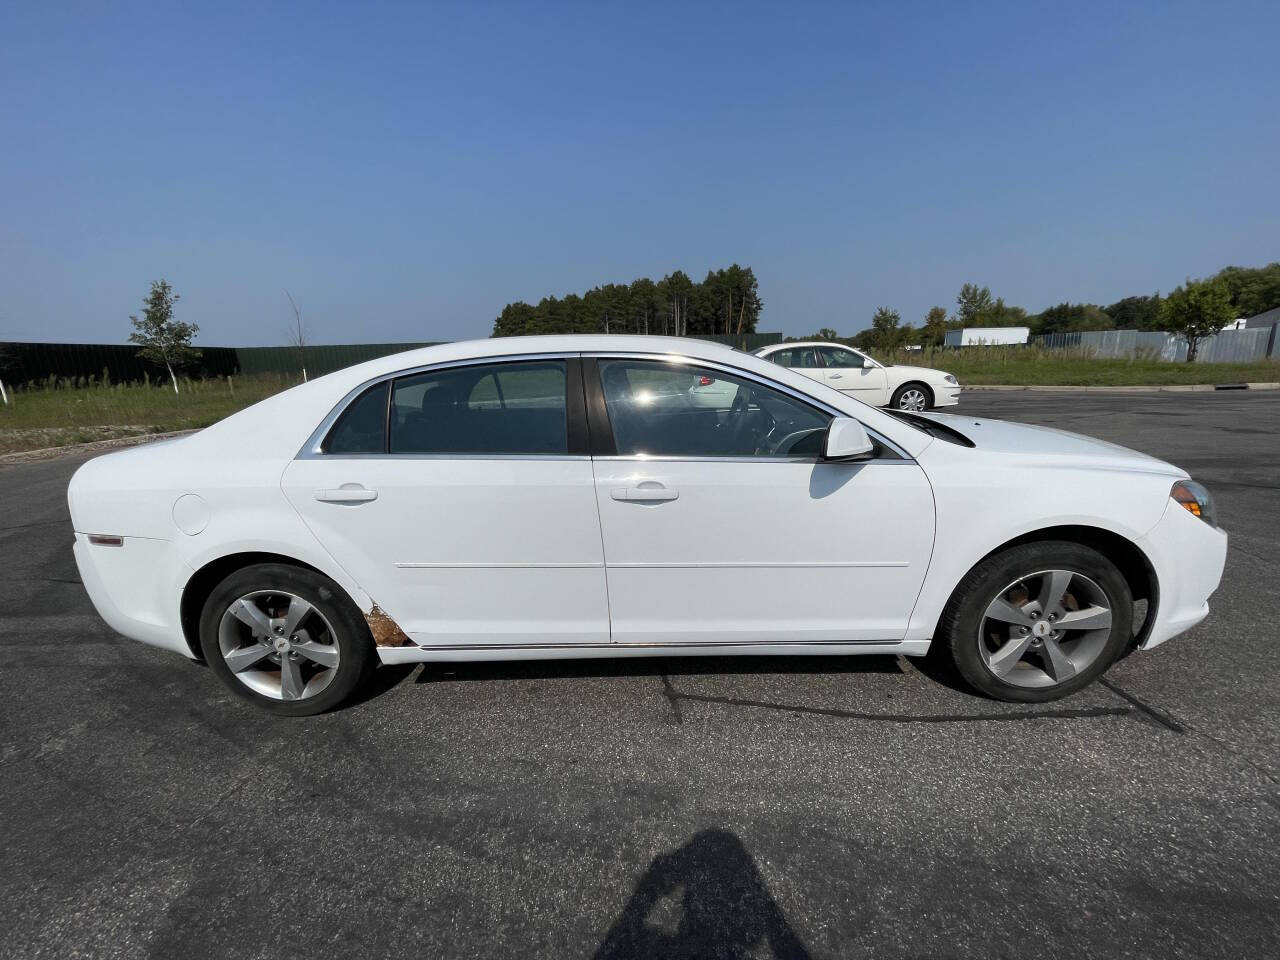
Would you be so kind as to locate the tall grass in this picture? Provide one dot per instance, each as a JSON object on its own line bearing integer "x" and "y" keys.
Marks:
{"x": 153, "y": 407}
{"x": 1038, "y": 366}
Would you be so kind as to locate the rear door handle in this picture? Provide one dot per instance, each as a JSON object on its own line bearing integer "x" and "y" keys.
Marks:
{"x": 644, "y": 494}
{"x": 835, "y": 376}
{"x": 352, "y": 493}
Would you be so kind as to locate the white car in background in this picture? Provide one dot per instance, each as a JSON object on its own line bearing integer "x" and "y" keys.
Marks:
{"x": 563, "y": 497}
{"x": 853, "y": 372}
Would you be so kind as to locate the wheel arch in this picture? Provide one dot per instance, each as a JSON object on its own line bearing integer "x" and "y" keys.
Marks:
{"x": 1134, "y": 565}
{"x": 204, "y": 580}
{"x": 929, "y": 391}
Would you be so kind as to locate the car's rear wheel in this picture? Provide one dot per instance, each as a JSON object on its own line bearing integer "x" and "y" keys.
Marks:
{"x": 1038, "y": 621}
{"x": 912, "y": 396}
{"x": 286, "y": 639}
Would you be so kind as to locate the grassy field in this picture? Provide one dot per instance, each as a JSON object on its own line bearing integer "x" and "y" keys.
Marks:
{"x": 57, "y": 414}
{"x": 1032, "y": 366}
{"x": 63, "y": 413}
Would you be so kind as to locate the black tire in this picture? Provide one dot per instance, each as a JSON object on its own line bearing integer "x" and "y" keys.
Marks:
{"x": 896, "y": 400}
{"x": 962, "y": 619}
{"x": 349, "y": 633}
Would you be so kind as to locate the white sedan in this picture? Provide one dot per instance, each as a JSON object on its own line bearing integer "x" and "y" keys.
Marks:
{"x": 564, "y": 497}
{"x": 853, "y": 372}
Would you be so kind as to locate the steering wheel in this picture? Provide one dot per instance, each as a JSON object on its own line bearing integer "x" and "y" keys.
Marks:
{"x": 786, "y": 441}
{"x": 740, "y": 417}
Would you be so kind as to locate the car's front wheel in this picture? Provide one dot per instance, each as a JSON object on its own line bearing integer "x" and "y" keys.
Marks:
{"x": 286, "y": 638}
{"x": 912, "y": 396}
{"x": 1037, "y": 621}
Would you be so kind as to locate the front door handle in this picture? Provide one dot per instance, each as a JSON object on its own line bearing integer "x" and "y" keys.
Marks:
{"x": 835, "y": 376}
{"x": 350, "y": 493}
{"x": 644, "y": 494}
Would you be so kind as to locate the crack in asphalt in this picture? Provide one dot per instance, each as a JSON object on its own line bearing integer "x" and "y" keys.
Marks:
{"x": 1162, "y": 718}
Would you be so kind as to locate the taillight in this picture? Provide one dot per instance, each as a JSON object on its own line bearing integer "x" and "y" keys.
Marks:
{"x": 705, "y": 381}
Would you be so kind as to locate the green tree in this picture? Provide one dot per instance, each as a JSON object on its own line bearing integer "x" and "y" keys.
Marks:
{"x": 1072, "y": 316}
{"x": 971, "y": 303}
{"x": 162, "y": 338}
{"x": 1196, "y": 311}
{"x": 1253, "y": 290}
{"x": 933, "y": 330}
{"x": 886, "y": 332}
{"x": 1136, "y": 313}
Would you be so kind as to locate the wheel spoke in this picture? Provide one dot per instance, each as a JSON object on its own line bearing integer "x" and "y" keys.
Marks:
{"x": 1052, "y": 587}
{"x": 1090, "y": 618}
{"x": 325, "y": 654}
{"x": 253, "y": 618}
{"x": 1059, "y": 665}
{"x": 1007, "y": 612}
{"x": 290, "y": 679}
{"x": 298, "y": 609}
{"x": 246, "y": 657}
{"x": 1003, "y": 660}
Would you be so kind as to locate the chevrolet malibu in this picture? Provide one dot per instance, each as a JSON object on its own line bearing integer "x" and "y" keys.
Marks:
{"x": 537, "y": 498}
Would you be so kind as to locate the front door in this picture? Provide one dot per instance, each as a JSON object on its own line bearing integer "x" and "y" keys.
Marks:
{"x": 453, "y": 498}
{"x": 850, "y": 372}
{"x": 722, "y": 526}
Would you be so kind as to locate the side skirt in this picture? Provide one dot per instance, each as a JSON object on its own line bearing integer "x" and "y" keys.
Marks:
{"x": 583, "y": 651}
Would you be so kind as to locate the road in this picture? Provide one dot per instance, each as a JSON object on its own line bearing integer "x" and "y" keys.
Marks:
{"x": 812, "y": 807}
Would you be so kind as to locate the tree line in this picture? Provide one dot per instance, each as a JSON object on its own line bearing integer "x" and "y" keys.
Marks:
{"x": 1193, "y": 311}
{"x": 727, "y": 301}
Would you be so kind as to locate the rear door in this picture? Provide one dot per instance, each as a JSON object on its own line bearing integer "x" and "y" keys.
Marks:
{"x": 848, "y": 371}
{"x": 801, "y": 360}
{"x": 461, "y": 499}
{"x": 721, "y": 526}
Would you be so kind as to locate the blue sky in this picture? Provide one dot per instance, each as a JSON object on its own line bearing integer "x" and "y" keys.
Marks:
{"x": 406, "y": 170}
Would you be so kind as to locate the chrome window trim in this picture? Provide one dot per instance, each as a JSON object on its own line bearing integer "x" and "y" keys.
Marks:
{"x": 805, "y": 398}
{"x": 313, "y": 448}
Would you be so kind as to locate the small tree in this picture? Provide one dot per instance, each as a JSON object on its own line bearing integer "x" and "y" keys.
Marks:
{"x": 1197, "y": 311}
{"x": 297, "y": 333}
{"x": 162, "y": 338}
{"x": 885, "y": 330}
{"x": 934, "y": 329}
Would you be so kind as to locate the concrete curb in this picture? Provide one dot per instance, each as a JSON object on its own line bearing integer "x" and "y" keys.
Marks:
{"x": 1166, "y": 388}
{"x": 52, "y": 453}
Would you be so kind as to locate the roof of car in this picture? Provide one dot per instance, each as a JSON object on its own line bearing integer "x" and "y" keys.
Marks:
{"x": 803, "y": 343}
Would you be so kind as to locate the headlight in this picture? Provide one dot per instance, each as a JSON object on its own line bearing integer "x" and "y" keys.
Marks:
{"x": 1195, "y": 499}
{"x": 949, "y": 378}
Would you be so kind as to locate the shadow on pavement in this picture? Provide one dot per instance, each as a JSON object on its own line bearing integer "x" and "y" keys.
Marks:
{"x": 706, "y": 899}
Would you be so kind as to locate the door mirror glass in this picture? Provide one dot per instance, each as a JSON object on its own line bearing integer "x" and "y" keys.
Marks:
{"x": 847, "y": 440}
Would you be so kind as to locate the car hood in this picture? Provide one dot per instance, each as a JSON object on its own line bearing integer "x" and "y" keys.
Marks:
{"x": 1051, "y": 447}
{"x": 918, "y": 373}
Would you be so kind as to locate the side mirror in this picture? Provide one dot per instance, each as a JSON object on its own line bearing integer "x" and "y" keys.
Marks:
{"x": 868, "y": 365}
{"x": 847, "y": 440}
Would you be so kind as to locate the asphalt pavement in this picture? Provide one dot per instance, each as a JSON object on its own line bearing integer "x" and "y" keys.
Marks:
{"x": 840, "y": 807}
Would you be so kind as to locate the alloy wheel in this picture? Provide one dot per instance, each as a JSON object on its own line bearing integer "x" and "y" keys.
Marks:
{"x": 278, "y": 645}
{"x": 1044, "y": 628}
{"x": 913, "y": 399}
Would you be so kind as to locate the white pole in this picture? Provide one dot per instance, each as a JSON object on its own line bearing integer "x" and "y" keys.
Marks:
{"x": 3, "y": 396}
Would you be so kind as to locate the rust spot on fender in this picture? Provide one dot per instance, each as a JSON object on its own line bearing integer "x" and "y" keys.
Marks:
{"x": 386, "y": 632}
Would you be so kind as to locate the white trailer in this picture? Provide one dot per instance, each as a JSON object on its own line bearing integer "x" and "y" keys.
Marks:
{"x": 986, "y": 336}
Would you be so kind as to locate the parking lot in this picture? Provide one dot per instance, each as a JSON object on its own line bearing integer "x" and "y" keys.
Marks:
{"x": 829, "y": 807}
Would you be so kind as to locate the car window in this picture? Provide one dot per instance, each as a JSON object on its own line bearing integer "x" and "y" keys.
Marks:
{"x": 506, "y": 408}
{"x": 362, "y": 426}
{"x": 840, "y": 357}
{"x": 662, "y": 409}
{"x": 804, "y": 358}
